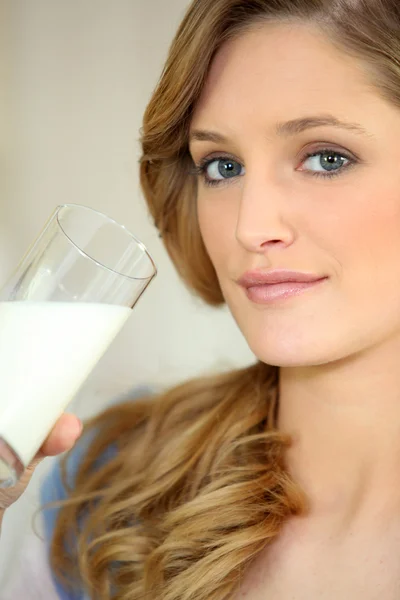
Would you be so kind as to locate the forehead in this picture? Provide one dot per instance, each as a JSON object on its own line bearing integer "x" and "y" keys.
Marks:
{"x": 282, "y": 70}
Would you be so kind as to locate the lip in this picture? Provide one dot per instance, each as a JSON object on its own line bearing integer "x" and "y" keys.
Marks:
{"x": 264, "y": 287}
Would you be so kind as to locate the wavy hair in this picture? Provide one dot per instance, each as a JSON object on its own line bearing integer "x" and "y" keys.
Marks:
{"x": 198, "y": 487}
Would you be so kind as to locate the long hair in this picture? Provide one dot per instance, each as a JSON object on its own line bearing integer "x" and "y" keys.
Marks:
{"x": 197, "y": 487}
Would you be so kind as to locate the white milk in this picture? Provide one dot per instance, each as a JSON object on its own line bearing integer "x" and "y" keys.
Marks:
{"x": 47, "y": 350}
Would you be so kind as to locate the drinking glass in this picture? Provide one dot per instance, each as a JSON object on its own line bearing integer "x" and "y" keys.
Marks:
{"x": 59, "y": 311}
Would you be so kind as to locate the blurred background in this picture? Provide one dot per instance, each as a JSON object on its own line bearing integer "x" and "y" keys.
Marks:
{"x": 76, "y": 76}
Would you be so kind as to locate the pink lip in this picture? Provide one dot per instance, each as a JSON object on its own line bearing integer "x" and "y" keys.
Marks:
{"x": 263, "y": 287}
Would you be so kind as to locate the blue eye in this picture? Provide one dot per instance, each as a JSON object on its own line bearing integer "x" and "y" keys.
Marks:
{"x": 325, "y": 163}
{"x": 215, "y": 171}
{"x": 330, "y": 162}
{"x": 222, "y": 168}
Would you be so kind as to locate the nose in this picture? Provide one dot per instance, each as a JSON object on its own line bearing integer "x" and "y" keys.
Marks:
{"x": 262, "y": 220}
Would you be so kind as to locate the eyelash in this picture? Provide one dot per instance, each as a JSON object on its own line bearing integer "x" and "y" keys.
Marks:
{"x": 200, "y": 170}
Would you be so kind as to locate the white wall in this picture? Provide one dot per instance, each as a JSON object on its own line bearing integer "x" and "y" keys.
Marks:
{"x": 75, "y": 84}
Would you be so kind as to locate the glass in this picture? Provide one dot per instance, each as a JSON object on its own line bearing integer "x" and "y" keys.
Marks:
{"x": 59, "y": 312}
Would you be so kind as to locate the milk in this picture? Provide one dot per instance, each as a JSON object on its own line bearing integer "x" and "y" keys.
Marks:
{"x": 47, "y": 350}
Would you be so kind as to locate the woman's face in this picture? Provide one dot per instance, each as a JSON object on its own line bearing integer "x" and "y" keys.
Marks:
{"x": 264, "y": 205}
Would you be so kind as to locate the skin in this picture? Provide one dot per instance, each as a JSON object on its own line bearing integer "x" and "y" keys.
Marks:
{"x": 338, "y": 344}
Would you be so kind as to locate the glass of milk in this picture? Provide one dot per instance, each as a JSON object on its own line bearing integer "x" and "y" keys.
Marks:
{"x": 60, "y": 310}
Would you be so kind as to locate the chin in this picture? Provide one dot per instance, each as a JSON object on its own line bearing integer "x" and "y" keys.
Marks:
{"x": 290, "y": 352}
{"x": 304, "y": 335}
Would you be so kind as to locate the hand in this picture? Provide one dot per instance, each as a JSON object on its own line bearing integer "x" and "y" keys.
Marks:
{"x": 63, "y": 437}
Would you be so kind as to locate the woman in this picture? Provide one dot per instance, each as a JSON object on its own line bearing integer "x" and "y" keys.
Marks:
{"x": 270, "y": 166}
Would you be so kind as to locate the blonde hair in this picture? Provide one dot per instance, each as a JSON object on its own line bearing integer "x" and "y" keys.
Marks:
{"x": 198, "y": 485}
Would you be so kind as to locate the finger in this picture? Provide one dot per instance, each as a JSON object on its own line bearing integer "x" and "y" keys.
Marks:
{"x": 62, "y": 437}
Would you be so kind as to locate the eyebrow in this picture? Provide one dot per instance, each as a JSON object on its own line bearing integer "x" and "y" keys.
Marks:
{"x": 288, "y": 128}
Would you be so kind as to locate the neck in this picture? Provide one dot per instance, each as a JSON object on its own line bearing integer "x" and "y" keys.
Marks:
{"x": 344, "y": 419}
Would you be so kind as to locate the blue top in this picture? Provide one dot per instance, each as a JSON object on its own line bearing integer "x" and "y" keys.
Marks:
{"x": 53, "y": 489}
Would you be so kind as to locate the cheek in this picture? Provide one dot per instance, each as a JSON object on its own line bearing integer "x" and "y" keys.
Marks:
{"x": 354, "y": 229}
{"x": 362, "y": 238}
{"x": 370, "y": 235}
{"x": 217, "y": 224}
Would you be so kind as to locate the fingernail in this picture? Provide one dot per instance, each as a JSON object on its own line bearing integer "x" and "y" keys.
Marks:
{"x": 76, "y": 428}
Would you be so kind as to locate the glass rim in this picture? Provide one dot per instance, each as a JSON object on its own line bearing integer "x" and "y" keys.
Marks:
{"x": 100, "y": 264}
